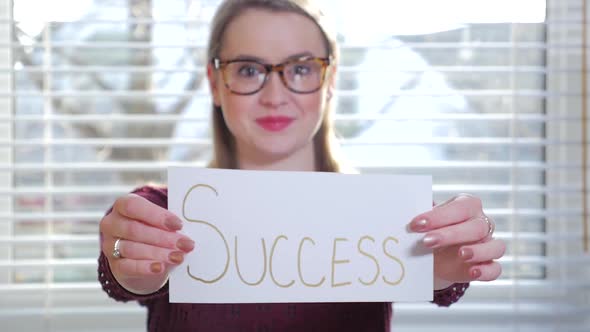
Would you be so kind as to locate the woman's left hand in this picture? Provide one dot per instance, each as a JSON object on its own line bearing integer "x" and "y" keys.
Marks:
{"x": 461, "y": 236}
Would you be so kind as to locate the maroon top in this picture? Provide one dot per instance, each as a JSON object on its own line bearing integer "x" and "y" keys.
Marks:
{"x": 165, "y": 316}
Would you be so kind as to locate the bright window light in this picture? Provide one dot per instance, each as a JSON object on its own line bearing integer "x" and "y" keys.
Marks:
{"x": 402, "y": 17}
{"x": 33, "y": 14}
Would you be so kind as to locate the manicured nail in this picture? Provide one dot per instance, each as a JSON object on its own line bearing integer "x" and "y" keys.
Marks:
{"x": 475, "y": 273}
{"x": 156, "y": 267}
{"x": 173, "y": 223}
{"x": 431, "y": 240}
{"x": 466, "y": 253}
{"x": 176, "y": 257}
{"x": 419, "y": 225}
{"x": 185, "y": 244}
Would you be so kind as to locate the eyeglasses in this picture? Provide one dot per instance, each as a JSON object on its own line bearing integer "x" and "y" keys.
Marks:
{"x": 247, "y": 77}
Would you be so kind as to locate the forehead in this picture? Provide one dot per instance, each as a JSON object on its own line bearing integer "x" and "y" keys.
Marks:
{"x": 272, "y": 36}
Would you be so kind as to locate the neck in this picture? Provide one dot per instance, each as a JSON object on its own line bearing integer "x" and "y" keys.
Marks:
{"x": 302, "y": 160}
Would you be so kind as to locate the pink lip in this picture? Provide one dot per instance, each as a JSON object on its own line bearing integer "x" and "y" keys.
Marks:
{"x": 274, "y": 123}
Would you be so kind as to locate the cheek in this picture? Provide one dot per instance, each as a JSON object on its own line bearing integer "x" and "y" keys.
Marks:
{"x": 313, "y": 105}
{"x": 235, "y": 111}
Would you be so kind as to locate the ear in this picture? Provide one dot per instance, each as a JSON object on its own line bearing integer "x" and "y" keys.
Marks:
{"x": 212, "y": 78}
{"x": 331, "y": 81}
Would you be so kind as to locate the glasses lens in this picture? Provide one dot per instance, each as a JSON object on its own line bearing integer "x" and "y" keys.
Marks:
{"x": 244, "y": 76}
{"x": 304, "y": 76}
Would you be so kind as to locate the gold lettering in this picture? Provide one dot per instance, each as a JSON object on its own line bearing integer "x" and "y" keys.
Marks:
{"x": 272, "y": 251}
{"x": 188, "y": 271}
{"x": 371, "y": 257}
{"x": 395, "y": 259}
{"x": 238, "y": 265}
{"x": 334, "y": 262}
{"x": 299, "y": 264}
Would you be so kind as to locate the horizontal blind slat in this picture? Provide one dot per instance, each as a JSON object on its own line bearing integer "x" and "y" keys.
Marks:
{"x": 83, "y": 262}
{"x": 97, "y": 215}
{"x": 162, "y": 166}
{"x": 183, "y": 20}
{"x": 134, "y": 94}
{"x": 166, "y": 118}
{"x": 525, "y": 237}
{"x": 496, "y": 285}
{"x": 201, "y": 46}
{"x": 37, "y": 263}
{"x": 49, "y": 239}
{"x": 463, "y": 69}
{"x": 99, "y": 190}
{"x": 159, "y": 142}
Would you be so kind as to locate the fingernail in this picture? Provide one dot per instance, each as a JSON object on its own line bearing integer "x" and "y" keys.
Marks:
{"x": 185, "y": 244}
{"x": 173, "y": 223}
{"x": 431, "y": 240}
{"x": 419, "y": 225}
{"x": 176, "y": 257}
{"x": 475, "y": 273}
{"x": 466, "y": 253}
{"x": 156, "y": 267}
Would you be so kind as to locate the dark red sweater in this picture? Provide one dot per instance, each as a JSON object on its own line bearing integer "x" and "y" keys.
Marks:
{"x": 165, "y": 316}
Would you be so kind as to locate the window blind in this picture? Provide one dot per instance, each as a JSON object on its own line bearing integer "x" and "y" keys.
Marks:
{"x": 103, "y": 97}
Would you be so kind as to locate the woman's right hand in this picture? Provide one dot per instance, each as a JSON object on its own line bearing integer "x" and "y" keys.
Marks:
{"x": 149, "y": 243}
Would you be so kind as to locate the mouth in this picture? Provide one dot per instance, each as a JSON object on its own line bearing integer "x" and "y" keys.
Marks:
{"x": 274, "y": 123}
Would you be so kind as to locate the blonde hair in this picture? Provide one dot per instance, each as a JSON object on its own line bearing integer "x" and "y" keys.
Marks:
{"x": 325, "y": 145}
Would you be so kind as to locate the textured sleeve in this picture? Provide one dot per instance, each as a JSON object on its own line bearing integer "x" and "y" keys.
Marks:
{"x": 446, "y": 297}
{"x": 105, "y": 276}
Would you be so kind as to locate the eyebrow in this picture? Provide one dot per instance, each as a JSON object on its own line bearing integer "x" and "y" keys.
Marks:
{"x": 258, "y": 59}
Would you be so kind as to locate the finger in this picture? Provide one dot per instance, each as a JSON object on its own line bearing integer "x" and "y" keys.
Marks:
{"x": 483, "y": 252}
{"x": 459, "y": 209}
{"x": 137, "y": 268}
{"x": 139, "y": 232}
{"x": 140, "y": 251}
{"x": 472, "y": 230}
{"x": 138, "y": 208}
{"x": 486, "y": 272}
{"x": 106, "y": 225}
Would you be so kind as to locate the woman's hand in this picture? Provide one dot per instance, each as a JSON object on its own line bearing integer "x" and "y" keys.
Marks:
{"x": 461, "y": 236}
{"x": 149, "y": 244}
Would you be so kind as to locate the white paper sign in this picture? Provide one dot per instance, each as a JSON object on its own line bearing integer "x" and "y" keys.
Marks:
{"x": 272, "y": 237}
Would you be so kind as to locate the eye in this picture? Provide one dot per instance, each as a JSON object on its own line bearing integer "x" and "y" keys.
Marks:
{"x": 302, "y": 69}
{"x": 248, "y": 70}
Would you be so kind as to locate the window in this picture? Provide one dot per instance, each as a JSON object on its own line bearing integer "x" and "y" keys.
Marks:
{"x": 100, "y": 96}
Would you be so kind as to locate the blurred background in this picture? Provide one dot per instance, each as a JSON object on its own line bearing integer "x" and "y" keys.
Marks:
{"x": 98, "y": 97}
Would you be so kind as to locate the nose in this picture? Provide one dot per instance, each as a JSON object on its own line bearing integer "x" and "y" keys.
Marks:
{"x": 274, "y": 93}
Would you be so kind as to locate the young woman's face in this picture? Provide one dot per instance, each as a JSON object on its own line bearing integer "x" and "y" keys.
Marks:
{"x": 274, "y": 122}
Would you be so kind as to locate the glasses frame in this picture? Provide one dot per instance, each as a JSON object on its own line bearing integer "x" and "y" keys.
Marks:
{"x": 270, "y": 68}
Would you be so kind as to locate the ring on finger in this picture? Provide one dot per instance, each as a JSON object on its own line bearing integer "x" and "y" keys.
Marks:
{"x": 490, "y": 223}
{"x": 117, "y": 249}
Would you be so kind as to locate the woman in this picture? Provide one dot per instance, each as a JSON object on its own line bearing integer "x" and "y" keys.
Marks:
{"x": 271, "y": 69}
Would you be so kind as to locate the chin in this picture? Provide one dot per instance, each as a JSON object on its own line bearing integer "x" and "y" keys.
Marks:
{"x": 279, "y": 151}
